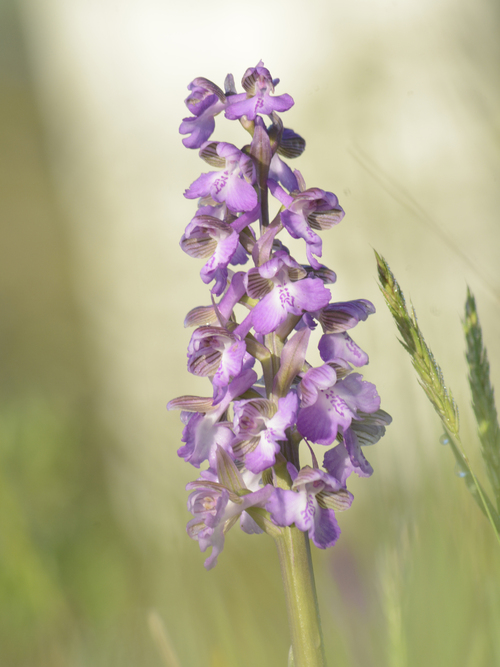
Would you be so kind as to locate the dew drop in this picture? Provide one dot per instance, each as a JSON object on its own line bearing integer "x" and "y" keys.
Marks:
{"x": 460, "y": 470}
{"x": 444, "y": 440}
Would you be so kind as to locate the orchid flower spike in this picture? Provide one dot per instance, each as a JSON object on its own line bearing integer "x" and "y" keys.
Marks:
{"x": 251, "y": 338}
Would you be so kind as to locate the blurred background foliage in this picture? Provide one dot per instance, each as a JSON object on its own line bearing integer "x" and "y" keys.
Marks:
{"x": 398, "y": 102}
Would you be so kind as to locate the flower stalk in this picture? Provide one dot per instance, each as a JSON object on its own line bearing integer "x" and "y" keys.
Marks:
{"x": 304, "y": 621}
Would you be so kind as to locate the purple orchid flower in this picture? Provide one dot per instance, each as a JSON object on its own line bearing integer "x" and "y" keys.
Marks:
{"x": 204, "y": 430}
{"x": 205, "y": 101}
{"x": 217, "y": 353}
{"x": 335, "y": 407}
{"x": 216, "y": 507}
{"x": 307, "y": 211}
{"x": 259, "y": 85}
{"x": 311, "y": 504}
{"x": 234, "y": 185}
{"x": 207, "y": 236}
{"x": 259, "y": 426}
{"x": 280, "y": 295}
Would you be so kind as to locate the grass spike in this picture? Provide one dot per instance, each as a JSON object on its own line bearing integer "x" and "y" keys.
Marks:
{"x": 432, "y": 381}
{"x": 483, "y": 395}
{"x": 430, "y": 374}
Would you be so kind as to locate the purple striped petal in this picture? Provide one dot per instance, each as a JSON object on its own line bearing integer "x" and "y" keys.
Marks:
{"x": 338, "y": 463}
{"x": 325, "y": 530}
{"x": 358, "y": 460}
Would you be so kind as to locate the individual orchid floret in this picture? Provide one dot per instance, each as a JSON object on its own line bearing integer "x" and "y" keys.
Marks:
{"x": 204, "y": 429}
{"x": 216, "y": 506}
{"x": 217, "y": 353}
{"x": 205, "y": 101}
{"x": 207, "y": 236}
{"x": 259, "y": 85}
{"x": 311, "y": 504}
{"x": 259, "y": 426}
{"x": 306, "y": 213}
{"x": 280, "y": 295}
{"x": 336, "y": 407}
{"x": 233, "y": 185}
{"x": 340, "y": 347}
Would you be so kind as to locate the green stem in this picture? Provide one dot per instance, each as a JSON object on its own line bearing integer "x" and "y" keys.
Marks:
{"x": 301, "y": 601}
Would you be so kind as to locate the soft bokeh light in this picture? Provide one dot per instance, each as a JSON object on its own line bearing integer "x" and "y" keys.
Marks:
{"x": 398, "y": 104}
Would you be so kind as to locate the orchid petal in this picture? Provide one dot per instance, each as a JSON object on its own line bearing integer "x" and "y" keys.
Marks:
{"x": 333, "y": 347}
{"x": 325, "y": 530}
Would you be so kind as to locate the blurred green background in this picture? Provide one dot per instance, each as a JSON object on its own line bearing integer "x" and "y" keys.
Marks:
{"x": 398, "y": 102}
